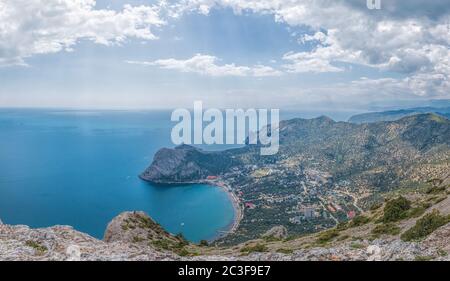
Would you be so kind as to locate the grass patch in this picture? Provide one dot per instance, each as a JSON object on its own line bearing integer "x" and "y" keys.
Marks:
{"x": 258, "y": 248}
{"x": 38, "y": 247}
{"x": 327, "y": 236}
{"x": 137, "y": 239}
{"x": 425, "y": 226}
{"x": 355, "y": 245}
{"x": 375, "y": 206}
{"x": 442, "y": 253}
{"x": 423, "y": 258}
{"x": 415, "y": 212}
{"x": 285, "y": 251}
{"x": 343, "y": 237}
{"x": 271, "y": 238}
{"x": 359, "y": 221}
{"x": 387, "y": 229}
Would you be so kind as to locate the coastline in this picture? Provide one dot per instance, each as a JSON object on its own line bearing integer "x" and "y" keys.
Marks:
{"x": 237, "y": 206}
{"x": 235, "y": 201}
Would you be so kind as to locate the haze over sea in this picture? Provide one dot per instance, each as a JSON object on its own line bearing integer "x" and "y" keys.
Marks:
{"x": 81, "y": 168}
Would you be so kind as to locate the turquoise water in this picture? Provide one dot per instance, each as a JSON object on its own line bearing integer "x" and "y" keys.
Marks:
{"x": 80, "y": 168}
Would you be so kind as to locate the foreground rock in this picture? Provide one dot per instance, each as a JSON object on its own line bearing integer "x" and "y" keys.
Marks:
{"x": 134, "y": 236}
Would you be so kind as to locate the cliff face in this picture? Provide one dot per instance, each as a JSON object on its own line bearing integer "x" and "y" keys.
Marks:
{"x": 186, "y": 164}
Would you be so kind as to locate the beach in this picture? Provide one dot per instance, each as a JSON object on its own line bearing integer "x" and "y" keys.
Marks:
{"x": 237, "y": 206}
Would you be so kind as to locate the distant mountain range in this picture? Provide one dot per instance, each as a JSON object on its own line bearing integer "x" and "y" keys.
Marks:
{"x": 339, "y": 147}
{"x": 393, "y": 115}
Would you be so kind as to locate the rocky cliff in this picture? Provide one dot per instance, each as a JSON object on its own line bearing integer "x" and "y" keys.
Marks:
{"x": 186, "y": 164}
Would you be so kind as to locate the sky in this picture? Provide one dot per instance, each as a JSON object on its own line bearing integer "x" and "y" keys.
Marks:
{"x": 292, "y": 54}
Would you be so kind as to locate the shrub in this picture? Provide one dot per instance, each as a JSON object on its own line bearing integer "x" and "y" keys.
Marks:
{"x": 161, "y": 244}
{"x": 425, "y": 226}
{"x": 342, "y": 226}
{"x": 359, "y": 220}
{"x": 435, "y": 190}
{"x": 204, "y": 243}
{"x": 183, "y": 252}
{"x": 396, "y": 209}
{"x": 181, "y": 239}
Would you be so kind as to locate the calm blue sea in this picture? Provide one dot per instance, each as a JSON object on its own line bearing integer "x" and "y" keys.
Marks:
{"x": 81, "y": 168}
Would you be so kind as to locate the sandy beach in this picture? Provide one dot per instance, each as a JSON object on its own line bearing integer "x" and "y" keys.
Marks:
{"x": 238, "y": 207}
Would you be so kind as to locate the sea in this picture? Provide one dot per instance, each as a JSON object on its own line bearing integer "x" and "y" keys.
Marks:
{"x": 81, "y": 167}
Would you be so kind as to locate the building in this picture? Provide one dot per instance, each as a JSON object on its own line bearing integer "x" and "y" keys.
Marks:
{"x": 308, "y": 212}
{"x": 249, "y": 205}
{"x": 351, "y": 215}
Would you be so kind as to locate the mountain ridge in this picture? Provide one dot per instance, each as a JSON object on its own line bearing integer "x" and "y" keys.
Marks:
{"x": 332, "y": 168}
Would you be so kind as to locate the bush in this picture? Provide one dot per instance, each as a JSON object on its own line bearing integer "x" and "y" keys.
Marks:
{"x": 342, "y": 226}
{"x": 435, "y": 190}
{"x": 396, "y": 209}
{"x": 204, "y": 243}
{"x": 359, "y": 221}
{"x": 425, "y": 226}
{"x": 181, "y": 239}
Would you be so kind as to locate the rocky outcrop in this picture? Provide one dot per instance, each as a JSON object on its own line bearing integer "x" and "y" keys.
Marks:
{"x": 134, "y": 236}
{"x": 60, "y": 243}
{"x": 185, "y": 164}
{"x": 132, "y": 227}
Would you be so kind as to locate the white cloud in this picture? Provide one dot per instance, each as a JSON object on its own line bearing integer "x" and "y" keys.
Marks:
{"x": 208, "y": 66}
{"x": 31, "y": 27}
{"x": 403, "y": 37}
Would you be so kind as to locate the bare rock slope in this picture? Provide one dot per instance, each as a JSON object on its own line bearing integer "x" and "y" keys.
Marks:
{"x": 135, "y": 236}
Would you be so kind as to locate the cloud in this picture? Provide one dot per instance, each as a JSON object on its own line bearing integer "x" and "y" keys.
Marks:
{"x": 32, "y": 27}
{"x": 208, "y": 66}
{"x": 408, "y": 37}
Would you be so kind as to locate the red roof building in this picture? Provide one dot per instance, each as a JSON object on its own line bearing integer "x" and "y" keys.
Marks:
{"x": 351, "y": 214}
{"x": 250, "y": 205}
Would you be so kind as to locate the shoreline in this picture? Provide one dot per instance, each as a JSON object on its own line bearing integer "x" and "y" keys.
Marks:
{"x": 235, "y": 201}
{"x": 237, "y": 206}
